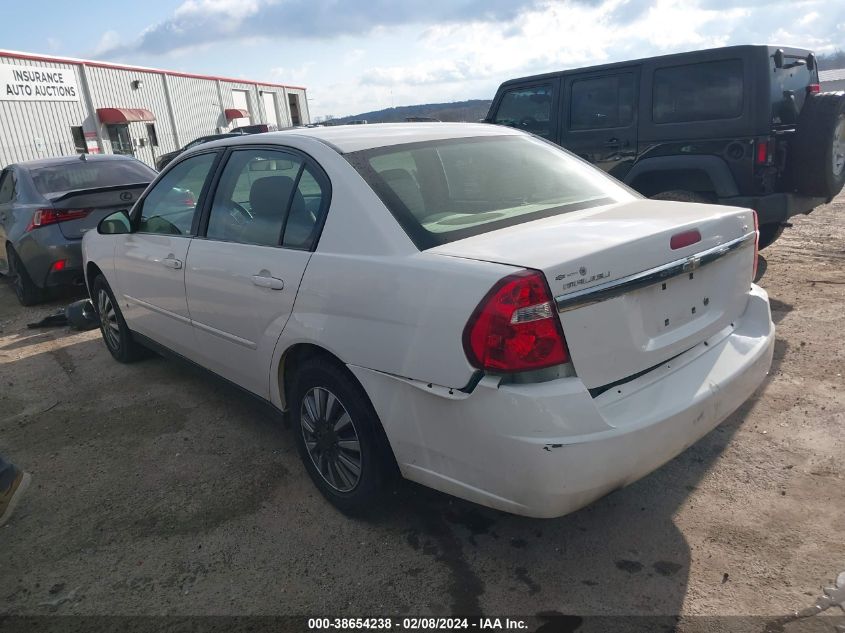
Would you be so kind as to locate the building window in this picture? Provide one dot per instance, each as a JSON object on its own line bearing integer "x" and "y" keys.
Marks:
{"x": 151, "y": 134}
{"x": 295, "y": 118}
{"x": 79, "y": 139}
{"x": 121, "y": 142}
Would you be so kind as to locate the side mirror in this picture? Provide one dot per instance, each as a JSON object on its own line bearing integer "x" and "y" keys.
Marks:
{"x": 779, "y": 58}
{"x": 115, "y": 224}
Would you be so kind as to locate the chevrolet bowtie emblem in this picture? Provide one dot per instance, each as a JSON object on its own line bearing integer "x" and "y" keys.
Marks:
{"x": 692, "y": 263}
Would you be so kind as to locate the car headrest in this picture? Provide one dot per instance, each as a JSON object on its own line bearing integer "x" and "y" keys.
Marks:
{"x": 269, "y": 196}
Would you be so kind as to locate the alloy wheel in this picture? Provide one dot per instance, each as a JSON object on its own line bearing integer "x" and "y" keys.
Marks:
{"x": 838, "y": 149}
{"x": 331, "y": 439}
{"x": 108, "y": 320}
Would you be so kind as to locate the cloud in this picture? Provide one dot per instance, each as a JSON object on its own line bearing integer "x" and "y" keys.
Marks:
{"x": 197, "y": 22}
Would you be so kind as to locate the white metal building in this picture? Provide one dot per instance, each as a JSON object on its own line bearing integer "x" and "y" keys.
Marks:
{"x": 52, "y": 106}
{"x": 832, "y": 80}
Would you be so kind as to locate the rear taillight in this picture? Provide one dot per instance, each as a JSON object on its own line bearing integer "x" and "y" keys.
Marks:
{"x": 43, "y": 217}
{"x": 813, "y": 88}
{"x": 762, "y": 152}
{"x": 756, "y": 245}
{"x": 515, "y": 327}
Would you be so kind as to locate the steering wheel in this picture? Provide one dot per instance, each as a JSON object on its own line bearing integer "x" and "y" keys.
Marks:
{"x": 239, "y": 213}
{"x": 528, "y": 122}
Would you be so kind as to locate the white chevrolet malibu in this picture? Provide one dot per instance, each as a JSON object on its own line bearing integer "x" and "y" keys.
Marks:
{"x": 464, "y": 304}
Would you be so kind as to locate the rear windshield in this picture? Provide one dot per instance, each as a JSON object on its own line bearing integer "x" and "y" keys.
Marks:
{"x": 65, "y": 177}
{"x": 442, "y": 191}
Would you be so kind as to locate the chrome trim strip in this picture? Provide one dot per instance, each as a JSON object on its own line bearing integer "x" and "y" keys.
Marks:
{"x": 156, "y": 309}
{"x": 226, "y": 336}
{"x": 612, "y": 289}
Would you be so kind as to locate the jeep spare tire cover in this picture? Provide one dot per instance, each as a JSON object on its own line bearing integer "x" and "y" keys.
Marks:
{"x": 818, "y": 156}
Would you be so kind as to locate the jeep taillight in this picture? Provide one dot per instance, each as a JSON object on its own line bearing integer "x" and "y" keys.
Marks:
{"x": 763, "y": 147}
{"x": 813, "y": 88}
{"x": 515, "y": 327}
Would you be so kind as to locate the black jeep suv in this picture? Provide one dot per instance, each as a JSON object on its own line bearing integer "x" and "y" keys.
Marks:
{"x": 741, "y": 125}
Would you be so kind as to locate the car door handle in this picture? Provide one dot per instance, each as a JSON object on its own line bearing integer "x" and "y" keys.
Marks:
{"x": 263, "y": 281}
{"x": 172, "y": 262}
{"x": 612, "y": 142}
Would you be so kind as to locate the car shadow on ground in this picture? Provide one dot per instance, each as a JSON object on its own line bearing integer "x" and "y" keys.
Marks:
{"x": 173, "y": 429}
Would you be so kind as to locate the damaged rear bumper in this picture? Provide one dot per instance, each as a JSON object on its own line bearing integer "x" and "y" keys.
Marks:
{"x": 547, "y": 449}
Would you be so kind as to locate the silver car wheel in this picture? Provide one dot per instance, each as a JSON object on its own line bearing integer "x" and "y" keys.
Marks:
{"x": 108, "y": 320}
{"x": 331, "y": 439}
{"x": 838, "y": 150}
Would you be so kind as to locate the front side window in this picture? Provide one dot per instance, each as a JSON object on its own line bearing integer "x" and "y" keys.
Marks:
{"x": 170, "y": 206}
{"x": 528, "y": 109}
{"x": 256, "y": 190}
{"x": 442, "y": 191}
{"x": 698, "y": 92}
{"x": 602, "y": 102}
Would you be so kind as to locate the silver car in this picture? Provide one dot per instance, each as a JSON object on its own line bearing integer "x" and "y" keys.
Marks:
{"x": 47, "y": 205}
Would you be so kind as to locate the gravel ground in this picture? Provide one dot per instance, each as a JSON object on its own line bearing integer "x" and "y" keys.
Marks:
{"x": 158, "y": 489}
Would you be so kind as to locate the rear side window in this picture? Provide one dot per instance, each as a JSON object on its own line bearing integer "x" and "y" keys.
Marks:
{"x": 90, "y": 174}
{"x": 698, "y": 92}
{"x": 7, "y": 187}
{"x": 602, "y": 102}
{"x": 528, "y": 109}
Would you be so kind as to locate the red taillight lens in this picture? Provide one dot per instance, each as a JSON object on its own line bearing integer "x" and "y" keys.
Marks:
{"x": 813, "y": 88}
{"x": 58, "y": 265}
{"x": 762, "y": 152}
{"x": 756, "y": 245}
{"x": 43, "y": 217}
{"x": 515, "y": 327}
{"x": 687, "y": 238}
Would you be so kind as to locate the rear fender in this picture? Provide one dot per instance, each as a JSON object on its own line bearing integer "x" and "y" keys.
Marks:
{"x": 712, "y": 167}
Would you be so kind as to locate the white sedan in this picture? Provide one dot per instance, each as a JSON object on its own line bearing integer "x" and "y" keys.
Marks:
{"x": 464, "y": 304}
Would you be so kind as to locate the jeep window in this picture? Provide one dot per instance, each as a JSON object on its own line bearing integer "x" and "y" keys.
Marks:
{"x": 602, "y": 102}
{"x": 698, "y": 92}
{"x": 528, "y": 109}
{"x": 789, "y": 88}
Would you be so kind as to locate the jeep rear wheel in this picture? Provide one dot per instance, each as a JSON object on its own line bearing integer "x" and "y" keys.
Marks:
{"x": 681, "y": 195}
{"x": 818, "y": 152}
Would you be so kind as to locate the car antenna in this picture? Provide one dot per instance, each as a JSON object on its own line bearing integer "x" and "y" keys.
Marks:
{"x": 83, "y": 157}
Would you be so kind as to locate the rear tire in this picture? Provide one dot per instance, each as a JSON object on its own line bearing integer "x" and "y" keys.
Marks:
{"x": 681, "y": 195}
{"x": 817, "y": 160}
{"x": 116, "y": 334}
{"x": 769, "y": 233}
{"x": 26, "y": 291}
{"x": 339, "y": 437}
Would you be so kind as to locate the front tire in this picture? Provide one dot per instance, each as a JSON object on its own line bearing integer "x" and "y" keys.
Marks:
{"x": 339, "y": 437}
{"x": 26, "y": 291}
{"x": 116, "y": 334}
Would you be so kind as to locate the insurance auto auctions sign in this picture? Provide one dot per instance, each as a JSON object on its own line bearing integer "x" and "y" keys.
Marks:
{"x": 37, "y": 83}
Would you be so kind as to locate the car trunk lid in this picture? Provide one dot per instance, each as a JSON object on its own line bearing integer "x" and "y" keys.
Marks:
{"x": 98, "y": 202}
{"x": 627, "y": 300}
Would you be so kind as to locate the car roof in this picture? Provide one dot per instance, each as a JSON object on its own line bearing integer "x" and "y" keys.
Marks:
{"x": 353, "y": 138}
{"x": 681, "y": 57}
{"x": 66, "y": 160}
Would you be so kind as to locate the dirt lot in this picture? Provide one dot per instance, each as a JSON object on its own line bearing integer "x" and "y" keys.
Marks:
{"x": 160, "y": 490}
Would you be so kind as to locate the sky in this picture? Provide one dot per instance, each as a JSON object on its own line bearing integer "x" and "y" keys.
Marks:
{"x": 355, "y": 56}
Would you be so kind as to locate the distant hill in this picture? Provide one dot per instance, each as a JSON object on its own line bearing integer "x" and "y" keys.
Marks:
{"x": 472, "y": 110}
